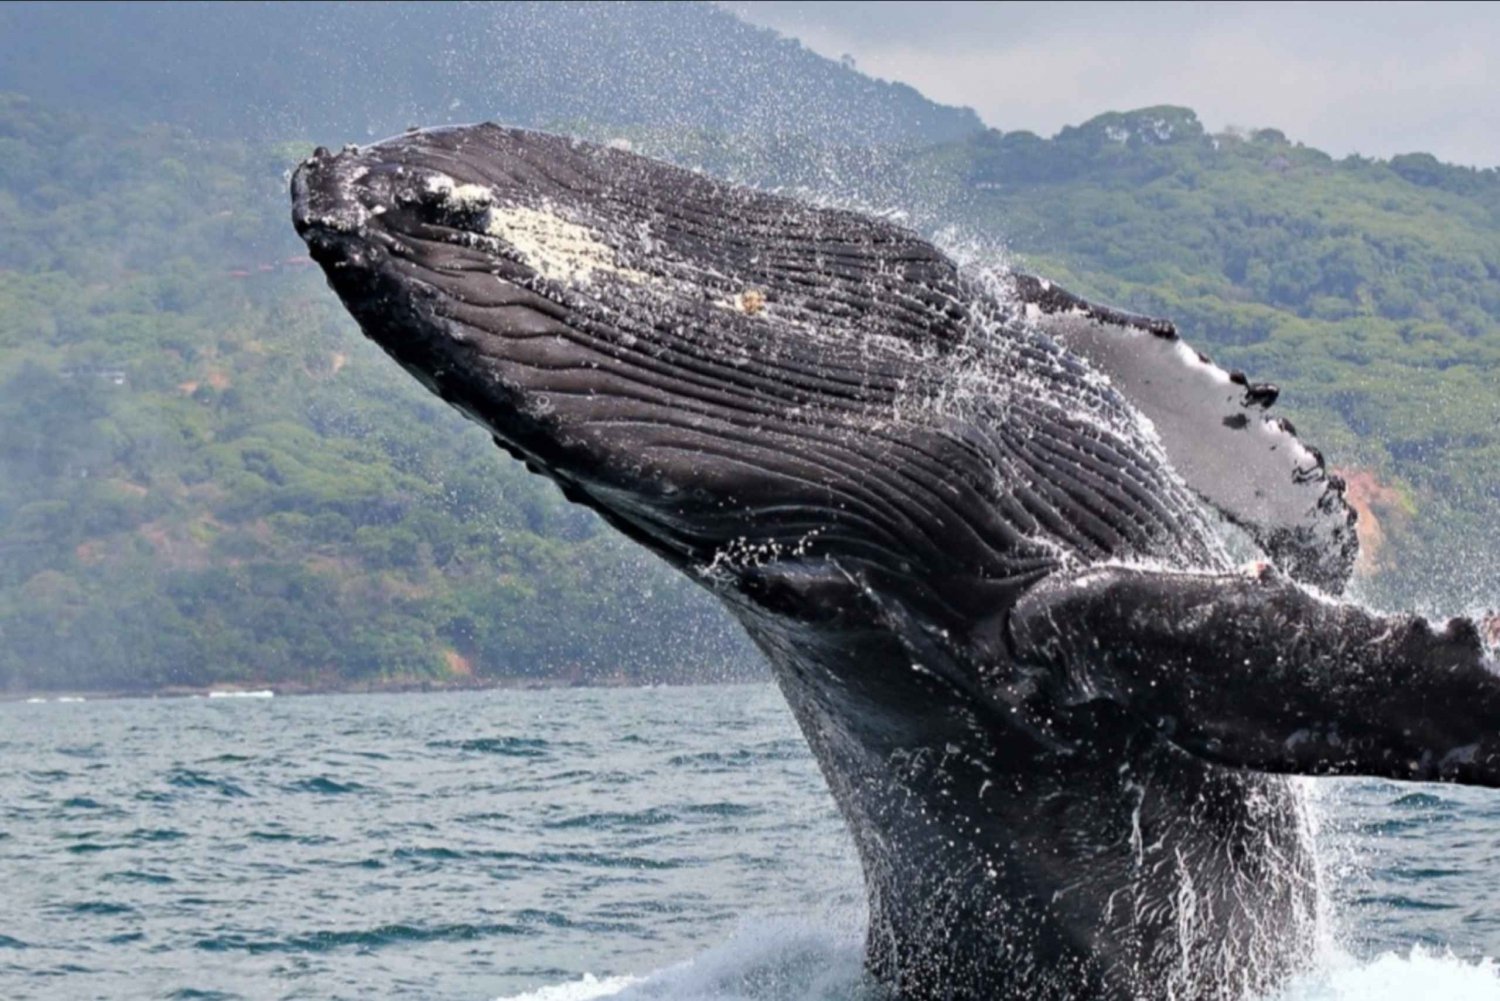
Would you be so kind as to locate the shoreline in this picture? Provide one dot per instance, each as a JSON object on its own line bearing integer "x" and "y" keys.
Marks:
{"x": 415, "y": 686}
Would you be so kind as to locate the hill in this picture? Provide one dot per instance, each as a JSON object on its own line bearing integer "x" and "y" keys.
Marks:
{"x": 207, "y": 476}
{"x": 340, "y": 72}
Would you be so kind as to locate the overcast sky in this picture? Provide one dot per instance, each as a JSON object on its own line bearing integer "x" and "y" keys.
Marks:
{"x": 1376, "y": 79}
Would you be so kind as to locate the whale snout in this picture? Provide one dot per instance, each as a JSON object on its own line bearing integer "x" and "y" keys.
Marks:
{"x": 338, "y": 209}
{"x": 323, "y": 197}
{"x": 334, "y": 201}
{"x": 411, "y": 261}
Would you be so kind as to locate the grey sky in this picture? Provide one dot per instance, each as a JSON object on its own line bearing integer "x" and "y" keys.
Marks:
{"x": 1376, "y": 79}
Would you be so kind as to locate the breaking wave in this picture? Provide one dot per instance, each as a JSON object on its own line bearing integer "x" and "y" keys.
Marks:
{"x": 786, "y": 961}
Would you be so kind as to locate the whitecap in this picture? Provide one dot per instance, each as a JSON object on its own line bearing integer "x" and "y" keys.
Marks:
{"x": 1391, "y": 976}
{"x": 586, "y": 989}
{"x": 783, "y": 961}
{"x": 770, "y": 960}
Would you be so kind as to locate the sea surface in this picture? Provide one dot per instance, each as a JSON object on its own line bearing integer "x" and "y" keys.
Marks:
{"x": 669, "y": 843}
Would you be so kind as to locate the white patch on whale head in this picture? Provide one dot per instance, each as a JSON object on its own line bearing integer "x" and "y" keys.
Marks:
{"x": 556, "y": 248}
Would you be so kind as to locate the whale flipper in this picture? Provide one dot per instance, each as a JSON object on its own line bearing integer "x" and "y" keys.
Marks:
{"x": 1214, "y": 426}
{"x": 1259, "y": 673}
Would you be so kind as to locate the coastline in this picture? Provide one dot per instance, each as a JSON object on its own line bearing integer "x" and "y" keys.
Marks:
{"x": 405, "y": 686}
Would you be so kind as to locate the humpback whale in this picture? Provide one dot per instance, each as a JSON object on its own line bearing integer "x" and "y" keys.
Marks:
{"x": 991, "y": 538}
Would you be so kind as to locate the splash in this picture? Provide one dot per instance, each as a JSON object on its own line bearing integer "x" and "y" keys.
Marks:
{"x": 1393, "y": 976}
{"x": 778, "y": 961}
{"x": 586, "y": 989}
{"x": 768, "y": 960}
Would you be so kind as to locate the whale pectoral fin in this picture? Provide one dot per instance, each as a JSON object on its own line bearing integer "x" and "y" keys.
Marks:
{"x": 1258, "y": 672}
{"x": 1214, "y": 427}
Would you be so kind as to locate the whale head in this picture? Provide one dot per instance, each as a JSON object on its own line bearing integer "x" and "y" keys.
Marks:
{"x": 732, "y": 378}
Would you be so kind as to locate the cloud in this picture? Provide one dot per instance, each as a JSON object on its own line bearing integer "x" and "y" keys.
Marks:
{"x": 1376, "y": 79}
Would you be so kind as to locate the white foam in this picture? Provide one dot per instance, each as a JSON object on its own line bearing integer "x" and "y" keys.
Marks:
{"x": 1420, "y": 973}
{"x": 768, "y": 960}
{"x": 797, "y": 961}
{"x": 460, "y": 196}
{"x": 587, "y": 989}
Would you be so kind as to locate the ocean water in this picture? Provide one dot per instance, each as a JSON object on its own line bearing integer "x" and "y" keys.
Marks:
{"x": 671, "y": 844}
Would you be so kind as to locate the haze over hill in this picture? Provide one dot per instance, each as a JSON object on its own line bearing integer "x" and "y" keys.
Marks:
{"x": 339, "y": 72}
{"x": 207, "y": 476}
{"x": 1379, "y": 79}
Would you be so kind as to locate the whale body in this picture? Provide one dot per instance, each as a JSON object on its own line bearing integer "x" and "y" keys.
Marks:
{"x": 976, "y": 524}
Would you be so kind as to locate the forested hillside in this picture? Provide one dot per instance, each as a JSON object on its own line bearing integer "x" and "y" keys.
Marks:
{"x": 339, "y": 72}
{"x": 208, "y": 476}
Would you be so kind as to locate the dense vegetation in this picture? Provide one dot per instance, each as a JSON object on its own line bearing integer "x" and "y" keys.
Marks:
{"x": 340, "y": 71}
{"x": 207, "y": 476}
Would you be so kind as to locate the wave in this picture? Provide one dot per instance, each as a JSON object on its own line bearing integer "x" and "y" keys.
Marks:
{"x": 365, "y": 939}
{"x": 186, "y": 778}
{"x": 772, "y": 960}
{"x": 323, "y": 785}
{"x": 1392, "y": 976}
{"x": 514, "y": 747}
{"x": 796, "y": 961}
{"x": 586, "y": 989}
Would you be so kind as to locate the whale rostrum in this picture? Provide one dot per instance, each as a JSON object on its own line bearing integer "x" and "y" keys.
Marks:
{"x": 976, "y": 524}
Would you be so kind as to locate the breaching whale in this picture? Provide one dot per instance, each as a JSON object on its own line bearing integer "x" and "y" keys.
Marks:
{"x": 976, "y": 524}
